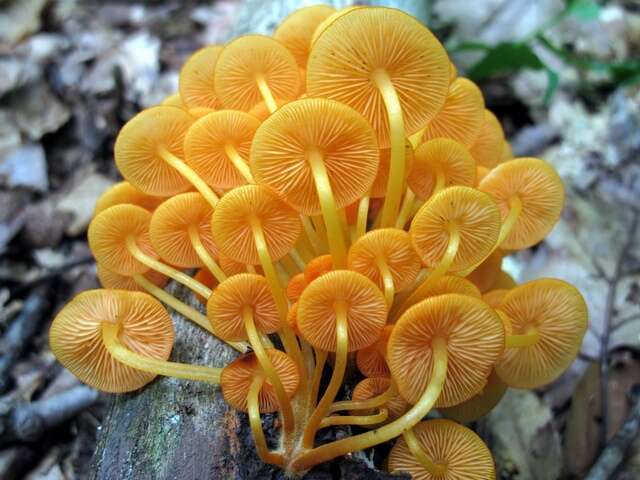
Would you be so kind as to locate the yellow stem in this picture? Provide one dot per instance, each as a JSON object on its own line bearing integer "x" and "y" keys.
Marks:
{"x": 387, "y": 281}
{"x": 440, "y": 179}
{"x": 305, "y": 249}
{"x": 416, "y": 138}
{"x": 435, "y": 469}
{"x": 321, "y": 358}
{"x": 318, "y": 225}
{"x": 406, "y": 209}
{"x": 524, "y": 340}
{"x": 204, "y": 255}
{"x": 265, "y": 91}
{"x": 296, "y": 256}
{"x": 312, "y": 235}
{"x": 289, "y": 266}
{"x": 154, "y": 365}
{"x": 187, "y": 172}
{"x": 355, "y": 419}
{"x": 374, "y": 402}
{"x": 256, "y": 424}
{"x": 363, "y": 213}
{"x": 515, "y": 209}
{"x": 251, "y": 269}
{"x": 241, "y": 166}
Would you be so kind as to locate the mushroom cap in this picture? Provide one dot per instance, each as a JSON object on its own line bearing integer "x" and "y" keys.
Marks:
{"x": 226, "y": 306}
{"x": 292, "y": 318}
{"x": 453, "y": 284}
{"x": 236, "y": 378}
{"x": 494, "y": 298}
{"x": 487, "y": 147}
{"x": 124, "y": 192}
{"x": 452, "y": 158}
{"x": 366, "y": 310}
{"x": 108, "y": 234}
{"x": 261, "y": 111}
{"x": 374, "y": 386}
{"x": 445, "y": 442}
{"x": 296, "y": 30}
{"x": 248, "y": 56}
{"x": 356, "y": 45}
{"x": 558, "y": 312}
{"x": 504, "y": 280}
{"x": 322, "y": 26}
{"x": 539, "y": 188}
{"x": 461, "y": 116}
{"x": 475, "y": 340}
{"x": 486, "y": 274}
{"x": 472, "y": 212}
{"x": 507, "y": 152}
{"x": 205, "y": 277}
{"x": 296, "y": 286}
{"x": 138, "y": 143}
{"x": 229, "y": 266}
{"x": 453, "y": 72}
{"x": 174, "y": 100}
{"x": 379, "y": 187}
{"x": 170, "y": 226}
{"x": 481, "y": 172}
{"x": 196, "y": 82}
{"x": 317, "y": 267}
{"x": 75, "y": 337}
{"x": 478, "y": 405}
{"x": 371, "y": 360}
{"x": 115, "y": 281}
{"x": 344, "y": 138}
{"x": 206, "y": 140}
{"x": 391, "y": 246}
{"x": 231, "y": 224}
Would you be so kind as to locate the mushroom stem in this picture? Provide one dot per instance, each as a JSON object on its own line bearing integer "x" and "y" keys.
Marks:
{"x": 311, "y": 234}
{"x": 296, "y": 256}
{"x": 335, "y": 233}
{"x": 342, "y": 343}
{"x": 187, "y": 172}
{"x": 153, "y": 365}
{"x": 289, "y": 266}
{"x": 417, "y": 137}
{"x": 387, "y": 281}
{"x": 515, "y": 208}
{"x": 321, "y": 358}
{"x": 361, "y": 222}
{"x": 397, "y": 167}
{"x": 525, "y": 340}
{"x": 170, "y": 272}
{"x": 318, "y": 225}
{"x": 385, "y": 433}
{"x": 435, "y": 469}
{"x": 267, "y": 367}
{"x": 256, "y": 424}
{"x": 183, "y": 309}
{"x": 241, "y": 166}
{"x": 265, "y": 91}
{"x": 374, "y": 419}
{"x": 204, "y": 255}
{"x": 406, "y": 209}
{"x": 374, "y": 402}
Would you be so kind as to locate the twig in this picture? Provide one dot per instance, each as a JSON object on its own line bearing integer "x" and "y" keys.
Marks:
{"x": 614, "y": 453}
{"x": 51, "y": 274}
{"x": 625, "y": 321}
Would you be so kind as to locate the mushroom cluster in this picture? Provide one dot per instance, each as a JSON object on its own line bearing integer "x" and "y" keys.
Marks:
{"x": 338, "y": 189}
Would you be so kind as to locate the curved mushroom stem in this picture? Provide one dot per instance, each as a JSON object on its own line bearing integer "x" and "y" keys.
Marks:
{"x": 183, "y": 309}
{"x": 268, "y": 368}
{"x": 132, "y": 359}
{"x": 363, "y": 213}
{"x": 528, "y": 339}
{"x": 387, "y": 281}
{"x": 241, "y": 166}
{"x": 256, "y": 424}
{"x": 204, "y": 255}
{"x": 406, "y": 209}
{"x": 335, "y": 232}
{"x": 321, "y": 358}
{"x": 416, "y": 138}
{"x": 374, "y": 402}
{"x": 397, "y": 167}
{"x": 435, "y": 469}
{"x": 170, "y": 272}
{"x": 374, "y": 419}
{"x": 265, "y": 91}
{"x": 342, "y": 342}
{"x": 326, "y": 452}
{"x": 311, "y": 234}
{"x": 515, "y": 209}
{"x": 187, "y": 172}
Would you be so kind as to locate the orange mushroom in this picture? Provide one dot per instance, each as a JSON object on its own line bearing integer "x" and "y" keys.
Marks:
{"x": 296, "y": 286}
{"x": 488, "y": 145}
{"x": 197, "y": 79}
{"x": 372, "y": 360}
{"x": 124, "y": 192}
{"x": 480, "y": 404}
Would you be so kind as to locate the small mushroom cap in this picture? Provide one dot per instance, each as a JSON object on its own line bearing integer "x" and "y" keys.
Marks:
{"x": 494, "y": 298}
{"x": 481, "y": 172}
{"x": 453, "y": 72}
{"x": 379, "y": 187}
{"x": 115, "y": 281}
{"x": 371, "y": 360}
{"x": 170, "y": 226}
{"x": 374, "y": 386}
{"x": 75, "y": 337}
{"x": 464, "y": 454}
{"x": 357, "y": 44}
{"x": 243, "y": 59}
{"x": 174, "y": 100}
{"x": 292, "y": 318}
{"x": 486, "y": 274}
{"x": 229, "y": 300}
{"x": 473, "y": 213}
{"x": 261, "y": 111}
{"x": 507, "y": 152}
{"x": 462, "y": 115}
{"x": 504, "y": 280}
{"x": 124, "y": 192}
{"x": 475, "y": 340}
{"x": 296, "y": 30}
{"x": 318, "y": 267}
{"x": 478, "y": 405}
{"x": 296, "y": 286}
{"x": 558, "y": 312}
{"x": 366, "y": 310}
{"x": 137, "y": 150}
{"x": 236, "y": 378}
{"x": 231, "y": 224}
{"x": 206, "y": 140}
{"x": 344, "y": 138}
{"x": 205, "y": 277}
{"x": 450, "y": 157}
{"x": 540, "y": 190}
{"x": 391, "y": 246}
{"x": 487, "y": 147}
{"x": 108, "y": 234}
{"x": 196, "y": 80}
{"x": 453, "y": 284}
{"x": 231, "y": 267}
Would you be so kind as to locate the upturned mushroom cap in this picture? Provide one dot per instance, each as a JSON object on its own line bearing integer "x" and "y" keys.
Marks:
{"x": 464, "y": 454}
{"x": 205, "y": 277}
{"x": 461, "y": 116}
{"x": 379, "y": 187}
{"x": 366, "y": 310}
{"x": 371, "y": 360}
{"x": 540, "y": 190}
{"x": 207, "y": 139}
{"x": 391, "y": 246}
{"x": 115, "y": 281}
{"x": 249, "y": 56}
{"x": 504, "y": 280}
{"x": 124, "y": 192}
{"x": 486, "y": 274}
{"x": 174, "y": 100}
{"x": 450, "y": 157}
{"x": 231, "y": 267}
{"x": 487, "y": 147}
{"x": 475, "y": 340}
{"x": 357, "y": 44}
{"x": 317, "y": 267}
{"x": 453, "y": 284}
{"x": 374, "y": 386}
{"x": 75, "y": 337}
{"x": 236, "y": 378}
{"x": 478, "y": 405}
{"x": 231, "y": 223}
{"x": 559, "y": 314}
{"x": 170, "y": 226}
{"x": 279, "y": 154}
{"x": 196, "y": 81}
{"x": 229, "y": 300}
{"x": 473, "y": 213}
{"x": 296, "y": 30}
{"x": 108, "y": 234}
{"x": 137, "y": 150}
{"x": 494, "y": 298}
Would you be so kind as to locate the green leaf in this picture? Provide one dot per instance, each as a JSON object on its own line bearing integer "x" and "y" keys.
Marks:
{"x": 505, "y": 58}
{"x": 583, "y": 9}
